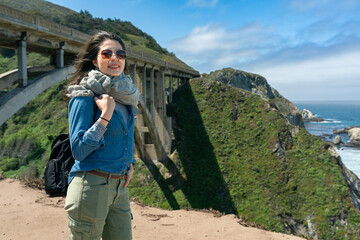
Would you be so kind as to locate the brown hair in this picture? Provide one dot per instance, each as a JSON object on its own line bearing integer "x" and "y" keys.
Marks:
{"x": 83, "y": 63}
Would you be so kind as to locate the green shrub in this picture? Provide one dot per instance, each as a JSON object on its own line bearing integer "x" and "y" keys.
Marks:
{"x": 7, "y": 164}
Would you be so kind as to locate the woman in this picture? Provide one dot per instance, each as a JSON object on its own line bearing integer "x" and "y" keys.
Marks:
{"x": 101, "y": 129}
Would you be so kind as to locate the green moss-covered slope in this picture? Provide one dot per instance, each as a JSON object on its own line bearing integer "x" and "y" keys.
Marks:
{"x": 257, "y": 84}
{"x": 26, "y": 137}
{"x": 238, "y": 155}
{"x": 234, "y": 153}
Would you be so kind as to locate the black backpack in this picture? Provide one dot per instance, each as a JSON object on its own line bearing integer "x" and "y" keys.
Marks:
{"x": 58, "y": 167}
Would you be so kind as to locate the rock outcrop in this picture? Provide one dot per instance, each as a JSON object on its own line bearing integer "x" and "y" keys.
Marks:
{"x": 341, "y": 130}
{"x": 337, "y": 140}
{"x": 354, "y": 134}
{"x": 344, "y": 130}
{"x": 244, "y": 80}
{"x": 308, "y": 116}
{"x": 257, "y": 84}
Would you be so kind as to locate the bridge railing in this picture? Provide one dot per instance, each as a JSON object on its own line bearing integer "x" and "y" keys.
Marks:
{"x": 165, "y": 64}
{"x": 12, "y": 13}
{"x": 43, "y": 24}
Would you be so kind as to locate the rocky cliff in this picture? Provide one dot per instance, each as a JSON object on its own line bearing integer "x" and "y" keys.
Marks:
{"x": 257, "y": 84}
{"x": 237, "y": 153}
{"x": 309, "y": 116}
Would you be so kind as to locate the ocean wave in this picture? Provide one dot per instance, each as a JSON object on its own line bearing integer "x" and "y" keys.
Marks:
{"x": 333, "y": 120}
{"x": 330, "y": 121}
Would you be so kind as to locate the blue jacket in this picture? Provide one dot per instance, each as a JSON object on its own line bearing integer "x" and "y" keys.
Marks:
{"x": 111, "y": 152}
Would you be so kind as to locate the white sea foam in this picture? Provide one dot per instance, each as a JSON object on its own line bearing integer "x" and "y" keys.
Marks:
{"x": 325, "y": 121}
{"x": 351, "y": 159}
{"x": 337, "y": 121}
{"x": 328, "y": 120}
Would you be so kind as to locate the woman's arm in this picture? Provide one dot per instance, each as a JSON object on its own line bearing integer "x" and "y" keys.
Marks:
{"x": 85, "y": 135}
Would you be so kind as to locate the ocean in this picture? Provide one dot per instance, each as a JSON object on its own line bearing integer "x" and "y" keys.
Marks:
{"x": 339, "y": 114}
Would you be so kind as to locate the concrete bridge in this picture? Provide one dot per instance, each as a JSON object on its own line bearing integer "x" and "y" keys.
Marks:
{"x": 154, "y": 78}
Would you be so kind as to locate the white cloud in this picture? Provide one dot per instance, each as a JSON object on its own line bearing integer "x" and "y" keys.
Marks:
{"x": 329, "y": 77}
{"x": 342, "y": 67}
{"x": 200, "y": 40}
{"x": 215, "y": 47}
{"x": 214, "y": 35}
{"x": 320, "y": 61}
{"x": 202, "y": 3}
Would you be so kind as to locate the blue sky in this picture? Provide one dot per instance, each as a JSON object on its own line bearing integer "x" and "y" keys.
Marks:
{"x": 306, "y": 49}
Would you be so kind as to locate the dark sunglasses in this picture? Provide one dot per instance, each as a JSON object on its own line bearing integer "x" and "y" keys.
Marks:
{"x": 107, "y": 54}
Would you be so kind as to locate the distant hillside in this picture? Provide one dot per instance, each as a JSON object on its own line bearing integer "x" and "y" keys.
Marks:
{"x": 40, "y": 7}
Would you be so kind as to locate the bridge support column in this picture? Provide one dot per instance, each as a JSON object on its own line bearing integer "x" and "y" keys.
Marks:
{"x": 167, "y": 129}
{"x": 144, "y": 84}
{"x": 159, "y": 111}
{"x": 21, "y": 54}
{"x": 60, "y": 58}
{"x": 152, "y": 92}
{"x": 170, "y": 89}
{"x": 163, "y": 93}
{"x": 134, "y": 74}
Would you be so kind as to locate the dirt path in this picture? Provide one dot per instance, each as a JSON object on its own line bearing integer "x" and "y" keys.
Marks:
{"x": 27, "y": 213}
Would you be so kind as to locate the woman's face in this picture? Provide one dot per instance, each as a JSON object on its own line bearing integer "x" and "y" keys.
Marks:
{"x": 113, "y": 66}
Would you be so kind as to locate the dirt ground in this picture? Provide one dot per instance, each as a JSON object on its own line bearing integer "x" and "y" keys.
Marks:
{"x": 28, "y": 213}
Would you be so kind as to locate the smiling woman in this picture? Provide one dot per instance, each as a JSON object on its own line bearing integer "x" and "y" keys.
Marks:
{"x": 111, "y": 58}
{"x": 101, "y": 130}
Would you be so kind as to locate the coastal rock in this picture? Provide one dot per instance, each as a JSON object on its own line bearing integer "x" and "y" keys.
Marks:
{"x": 244, "y": 80}
{"x": 308, "y": 116}
{"x": 257, "y": 84}
{"x": 341, "y": 130}
{"x": 337, "y": 140}
{"x": 344, "y": 130}
{"x": 354, "y": 134}
{"x": 289, "y": 110}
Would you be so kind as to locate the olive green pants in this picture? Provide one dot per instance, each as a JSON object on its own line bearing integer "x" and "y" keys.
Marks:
{"x": 98, "y": 207}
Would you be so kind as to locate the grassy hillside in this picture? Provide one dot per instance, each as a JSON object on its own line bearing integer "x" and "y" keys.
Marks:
{"x": 40, "y": 7}
{"x": 33, "y": 59}
{"x": 26, "y": 137}
{"x": 238, "y": 155}
{"x": 234, "y": 153}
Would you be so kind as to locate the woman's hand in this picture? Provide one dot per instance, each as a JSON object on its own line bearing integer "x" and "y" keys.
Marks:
{"x": 106, "y": 104}
{"x": 129, "y": 175}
